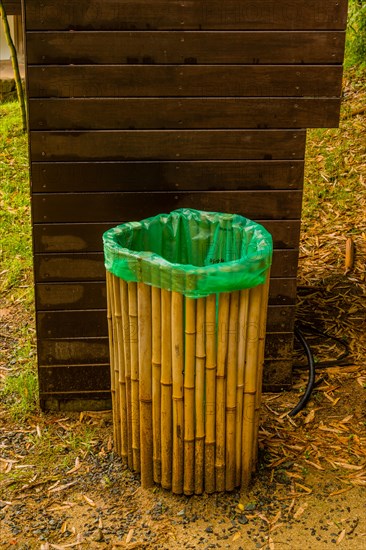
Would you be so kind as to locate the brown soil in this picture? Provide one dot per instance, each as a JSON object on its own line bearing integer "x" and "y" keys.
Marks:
{"x": 309, "y": 489}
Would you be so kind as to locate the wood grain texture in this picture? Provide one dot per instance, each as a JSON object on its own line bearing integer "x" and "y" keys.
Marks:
{"x": 174, "y": 48}
{"x": 92, "y": 323}
{"x": 98, "y": 207}
{"x": 13, "y": 7}
{"x": 168, "y": 145}
{"x": 71, "y": 379}
{"x": 118, "y": 81}
{"x": 90, "y": 266}
{"x": 92, "y": 295}
{"x": 183, "y": 113}
{"x": 174, "y": 14}
{"x": 87, "y": 237}
{"x": 81, "y": 351}
{"x": 167, "y": 176}
{"x": 76, "y": 387}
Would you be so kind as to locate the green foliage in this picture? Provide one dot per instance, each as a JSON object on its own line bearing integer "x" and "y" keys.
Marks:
{"x": 356, "y": 34}
{"x": 20, "y": 392}
{"x": 19, "y": 389}
{"x": 15, "y": 224}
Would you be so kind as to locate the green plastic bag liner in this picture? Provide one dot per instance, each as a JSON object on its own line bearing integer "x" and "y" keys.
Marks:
{"x": 190, "y": 251}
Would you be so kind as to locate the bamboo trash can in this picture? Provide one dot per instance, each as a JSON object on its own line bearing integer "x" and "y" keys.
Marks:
{"x": 186, "y": 368}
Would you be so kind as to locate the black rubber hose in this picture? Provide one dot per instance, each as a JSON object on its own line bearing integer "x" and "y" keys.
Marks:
{"x": 311, "y": 380}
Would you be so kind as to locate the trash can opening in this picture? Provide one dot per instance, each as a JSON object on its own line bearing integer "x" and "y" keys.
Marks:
{"x": 190, "y": 251}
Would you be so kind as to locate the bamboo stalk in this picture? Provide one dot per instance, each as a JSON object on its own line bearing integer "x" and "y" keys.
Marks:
{"x": 189, "y": 413}
{"x": 261, "y": 346}
{"x": 115, "y": 367}
{"x": 210, "y": 375}
{"x": 145, "y": 384}
{"x": 250, "y": 383}
{"x": 111, "y": 339}
{"x": 156, "y": 374}
{"x": 135, "y": 409}
{"x": 178, "y": 405}
{"x": 120, "y": 371}
{"x": 115, "y": 376}
{"x": 166, "y": 391}
{"x": 242, "y": 340}
{"x": 231, "y": 382}
{"x": 223, "y": 318}
{"x": 200, "y": 396}
{"x": 127, "y": 363}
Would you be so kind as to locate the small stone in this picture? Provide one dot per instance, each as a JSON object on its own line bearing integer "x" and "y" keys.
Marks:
{"x": 181, "y": 513}
{"x": 209, "y": 529}
{"x": 243, "y": 519}
{"x": 98, "y": 536}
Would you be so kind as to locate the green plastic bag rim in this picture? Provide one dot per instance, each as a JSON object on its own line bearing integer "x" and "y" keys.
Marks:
{"x": 191, "y": 280}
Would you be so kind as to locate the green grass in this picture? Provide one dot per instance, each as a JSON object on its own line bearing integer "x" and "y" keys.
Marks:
{"x": 20, "y": 388}
{"x": 356, "y": 34}
{"x": 335, "y": 162}
{"x": 15, "y": 224}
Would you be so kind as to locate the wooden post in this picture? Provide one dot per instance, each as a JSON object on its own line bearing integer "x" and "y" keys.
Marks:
{"x": 178, "y": 406}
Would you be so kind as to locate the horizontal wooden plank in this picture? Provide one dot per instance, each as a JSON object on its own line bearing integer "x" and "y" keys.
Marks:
{"x": 183, "y": 113}
{"x": 277, "y": 375}
{"x": 85, "y": 351}
{"x": 70, "y": 379}
{"x": 93, "y": 323}
{"x": 73, "y": 351}
{"x": 76, "y": 323}
{"x": 75, "y": 401}
{"x": 90, "y": 266}
{"x": 201, "y": 48}
{"x": 167, "y": 176}
{"x": 87, "y": 237}
{"x": 92, "y": 295}
{"x": 180, "y": 81}
{"x": 168, "y": 145}
{"x": 99, "y": 207}
{"x": 174, "y": 14}
{"x": 13, "y": 7}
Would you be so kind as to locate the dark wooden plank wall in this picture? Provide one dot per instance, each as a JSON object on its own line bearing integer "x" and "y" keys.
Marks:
{"x": 141, "y": 107}
{"x": 13, "y": 7}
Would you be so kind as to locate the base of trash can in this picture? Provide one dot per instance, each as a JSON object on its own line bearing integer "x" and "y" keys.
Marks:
{"x": 186, "y": 384}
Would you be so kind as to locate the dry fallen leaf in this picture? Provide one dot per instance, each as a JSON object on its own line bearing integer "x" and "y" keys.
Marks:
{"x": 129, "y": 536}
{"x": 75, "y": 468}
{"x": 236, "y": 537}
{"x": 310, "y": 417}
{"x": 89, "y": 501}
{"x": 299, "y": 512}
{"x": 341, "y": 536}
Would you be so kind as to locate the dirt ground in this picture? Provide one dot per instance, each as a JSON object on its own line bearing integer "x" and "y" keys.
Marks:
{"x": 62, "y": 486}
